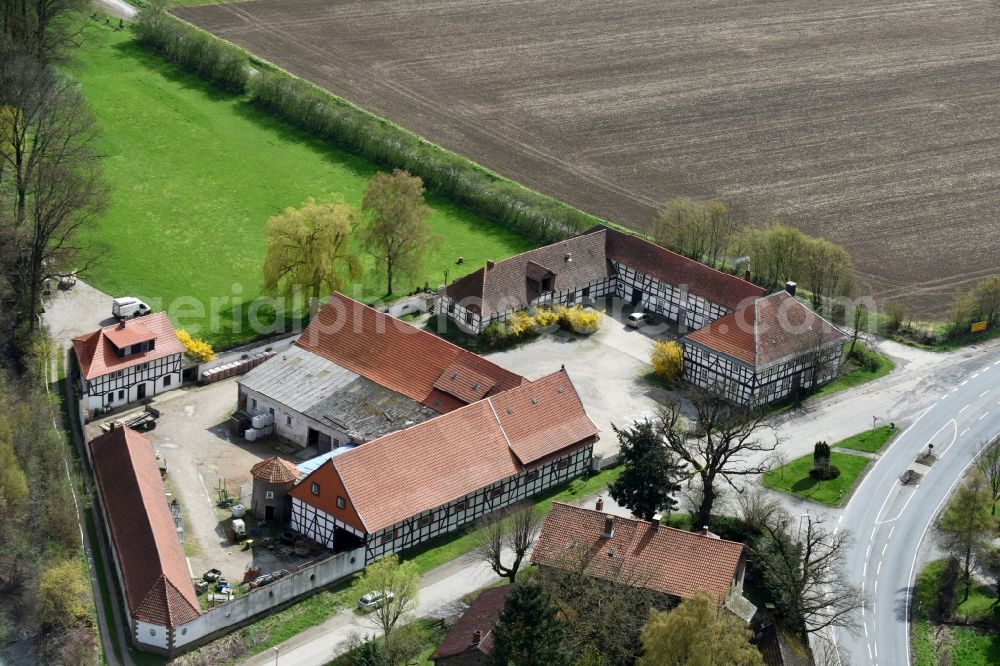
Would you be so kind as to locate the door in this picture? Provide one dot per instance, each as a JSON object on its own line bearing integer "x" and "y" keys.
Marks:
{"x": 268, "y": 512}
{"x": 636, "y": 297}
{"x": 140, "y": 391}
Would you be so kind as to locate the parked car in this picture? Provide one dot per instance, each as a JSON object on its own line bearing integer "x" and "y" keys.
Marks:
{"x": 374, "y": 600}
{"x": 127, "y": 307}
{"x": 637, "y": 319}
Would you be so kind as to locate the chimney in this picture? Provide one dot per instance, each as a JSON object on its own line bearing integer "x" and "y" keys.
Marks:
{"x": 112, "y": 425}
{"x": 746, "y": 274}
{"x": 704, "y": 531}
{"x": 569, "y": 256}
{"x": 609, "y": 527}
{"x": 655, "y": 523}
{"x": 490, "y": 264}
{"x": 790, "y": 287}
{"x": 477, "y": 636}
{"x": 600, "y": 504}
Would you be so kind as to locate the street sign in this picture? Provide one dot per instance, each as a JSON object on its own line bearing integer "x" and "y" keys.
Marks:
{"x": 979, "y": 326}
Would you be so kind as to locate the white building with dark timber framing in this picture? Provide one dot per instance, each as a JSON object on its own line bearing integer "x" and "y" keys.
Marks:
{"x": 410, "y": 486}
{"x": 128, "y": 361}
{"x": 771, "y": 349}
{"x": 597, "y": 263}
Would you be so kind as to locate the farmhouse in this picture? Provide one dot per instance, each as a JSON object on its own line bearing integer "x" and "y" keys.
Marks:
{"x": 640, "y": 553}
{"x": 767, "y": 350}
{"x": 412, "y": 485}
{"x": 599, "y": 262}
{"x": 128, "y": 361}
{"x": 356, "y": 374}
{"x": 469, "y": 642}
{"x": 148, "y": 558}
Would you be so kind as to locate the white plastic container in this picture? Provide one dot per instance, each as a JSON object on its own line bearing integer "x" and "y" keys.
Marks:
{"x": 269, "y": 419}
{"x": 268, "y": 430}
{"x": 239, "y": 511}
{"x": 251, "y": 434}
{"x": 258, "y": 421}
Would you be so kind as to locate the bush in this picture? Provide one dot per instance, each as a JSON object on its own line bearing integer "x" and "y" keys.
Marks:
{"x": 195, "y": 50}
{"x": 578, "y": 320}
{"x": 62, "y": 595}
{"x": 667, "y": 359}
{"x": 895, "y": 315}
{"x": 196, "y": 348}
{"x": 822, "y": 469}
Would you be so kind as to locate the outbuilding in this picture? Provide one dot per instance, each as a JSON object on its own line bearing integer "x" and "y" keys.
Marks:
{"x": 272, "y": 479}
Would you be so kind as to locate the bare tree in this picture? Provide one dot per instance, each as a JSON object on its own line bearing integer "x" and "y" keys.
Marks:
{"x": 859, "y": 320}
{"x": 54, "y": 182}
{"x": 725, "y": 439}
{"x": 398, "y": 583}
{"x": 43, "y": 28}
{"x": 989, "y": 465}
{"x": 806, "y": 574}
{"x": 513, "y": 530}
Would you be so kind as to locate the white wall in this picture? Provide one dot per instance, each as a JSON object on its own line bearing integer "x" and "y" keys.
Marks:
{"x": 298, "y": 430}
{"x": 154, "y": 635}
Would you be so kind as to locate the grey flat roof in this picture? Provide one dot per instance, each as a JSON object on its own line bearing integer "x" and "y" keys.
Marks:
{"x": 366, "y": 410}
{"x": 298, "y": 379}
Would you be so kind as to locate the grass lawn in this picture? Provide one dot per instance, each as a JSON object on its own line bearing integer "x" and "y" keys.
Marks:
{"x": 871, "y": 441}
{"x": 194, "y": 175}
{"x": 854, "y": 374}
{"x": 967, "y": 646}
{"x": 794, "y": 478}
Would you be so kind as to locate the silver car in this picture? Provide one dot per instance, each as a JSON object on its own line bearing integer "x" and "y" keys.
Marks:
{"x": 374, "y": 600}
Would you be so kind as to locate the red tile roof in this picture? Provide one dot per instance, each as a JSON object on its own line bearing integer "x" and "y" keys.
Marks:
{"x": 398, "y": 356}
{"x": 96, "y": 351}
{"x": 435, "y": 462}
{"x": 275, "y": 471}
{"x": 672, "y": 268}
{"x": 670, "y": 561}
{"x": 153, "y": 568}
{"x": 480, "y": 616}
{"x": 461, "y": 381}
{"x": 768, "y": 331}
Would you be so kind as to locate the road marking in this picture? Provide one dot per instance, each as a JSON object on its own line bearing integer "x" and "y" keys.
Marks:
{"x": 878, "y": 569}
{"x": 964, "y": 383}
{"x": 963, "y": 409}
{"x": 891, "y": 528}
{"x": 962, "y": 434}
{"x": 875, "y": 588}
{"x": 985, "y": 414}
{"x": 975, "y": 375}
{"x": 984, "y": 393}
{"x": 868, "y": 553}
{"x": 905, "y": 504}
{"x": 996, "y": 362}
{"x": 864, "y": 569}
{"x": 954, "y": 389}
{"x": 869, "y": 645}
{"x": 883, "y": 553}
{"x": 866, "y": 636}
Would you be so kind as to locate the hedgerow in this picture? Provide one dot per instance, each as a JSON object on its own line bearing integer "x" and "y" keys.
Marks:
{"x": 225, "y": 65}
{"x": 334, "y": 119}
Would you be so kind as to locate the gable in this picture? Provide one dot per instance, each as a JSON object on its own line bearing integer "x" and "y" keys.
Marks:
{"x": 331, "y": 486}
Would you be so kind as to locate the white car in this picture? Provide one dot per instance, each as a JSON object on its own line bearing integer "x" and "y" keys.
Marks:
{"x": 638, "y": 319}
{"x": 128, "y": 307}
{"x": 374, "y": 600}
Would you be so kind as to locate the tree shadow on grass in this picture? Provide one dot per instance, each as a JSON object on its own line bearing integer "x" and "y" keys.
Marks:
{"x": 132, "y": 50}
{"x": 806, "y": 484}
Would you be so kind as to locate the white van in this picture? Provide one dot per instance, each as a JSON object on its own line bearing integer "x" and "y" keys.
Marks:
{"x": 127, "y": 307}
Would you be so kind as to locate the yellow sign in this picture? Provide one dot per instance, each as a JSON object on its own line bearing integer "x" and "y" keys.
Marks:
{"x": 979, "y": 326}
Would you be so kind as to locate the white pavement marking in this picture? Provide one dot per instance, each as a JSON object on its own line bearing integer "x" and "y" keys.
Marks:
{"x": 875, "y": 588}
{"x": 962, "y": 434}
{"x": 864, "y": 569}
{"x": 984, "y": 393}
{"x": 975, "y": 375}
{"x": 891, "y": 529}
{"x": 964, "y": 383}
{"x": 883, "y": 552}
{"x": 963, "y": 409}
{"x": 985, "y": 414}
{"x": 878, "y": 569}
{"x": 869, "y": 646}
{"x": 905, "y": 504}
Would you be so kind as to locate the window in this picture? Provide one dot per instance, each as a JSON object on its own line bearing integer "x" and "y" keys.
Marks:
{"x": 121, "y": 395}
{"x": 167, "y": 380}
{"x": 314, "y": 488}
{"x": 496, "y": 492}
{"x": 451, "y": 307}
{"x": 341, "y": 502}
{"x": 468, "y": 317}
{"x": 458, "y": 507}
{"x": 117, "y": 374}
{"x": 425, "y": 520}
{"x": 271, "y": 410}
{"x": 562, "y": 464}
{"x": 144, "y": 366}
{"x": 288, "y": 420}
{"x": 253, "y": 403}
{"x": 111, "y": 397}
{"x": 269, "y": 494}
{"x": 531, "y": 476}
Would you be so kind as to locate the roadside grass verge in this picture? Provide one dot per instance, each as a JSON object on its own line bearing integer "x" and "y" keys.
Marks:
{"x": 106, "y": 609}
{"x": 433, "y": 634}
{"x": 275, "y": 628}
{"x": 870, "y": 441}
{"x": 794, "y": 479}
{"x": 855, "y": 374}
{"x": 195, "y": 173}
{"x": 934, "y": 644}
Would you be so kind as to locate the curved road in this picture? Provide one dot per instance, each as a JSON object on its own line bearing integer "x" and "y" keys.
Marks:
{"x": 889, "y": 520}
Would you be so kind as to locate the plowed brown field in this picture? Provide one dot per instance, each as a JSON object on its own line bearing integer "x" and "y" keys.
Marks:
{"x": 875, "y": 124}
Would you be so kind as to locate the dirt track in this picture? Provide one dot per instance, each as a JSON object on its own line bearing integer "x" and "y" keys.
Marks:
{"x": 874, "y": 124}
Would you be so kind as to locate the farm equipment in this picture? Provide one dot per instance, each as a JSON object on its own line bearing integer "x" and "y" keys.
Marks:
{"x": 239, "y": 530}
{"x": 211, "y": 575}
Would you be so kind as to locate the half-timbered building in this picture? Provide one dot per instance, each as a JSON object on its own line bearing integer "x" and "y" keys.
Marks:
{"x": 407, "y": 487}
{"x": 356, "y": 374}
{"x": 599, "y": 262}
{"x": 128, "y": 362}
{"x": 153, "y": 576}
{"x": 770, "y": 349}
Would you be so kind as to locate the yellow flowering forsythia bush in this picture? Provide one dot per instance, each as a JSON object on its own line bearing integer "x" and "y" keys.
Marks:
{"x": 196, "y": 348}
{"x": 578, "y": 320}
{"x": 667, "y": 359}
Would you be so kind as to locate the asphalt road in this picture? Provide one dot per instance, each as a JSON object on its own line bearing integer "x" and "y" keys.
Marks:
{"x": 889, "y": 521}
